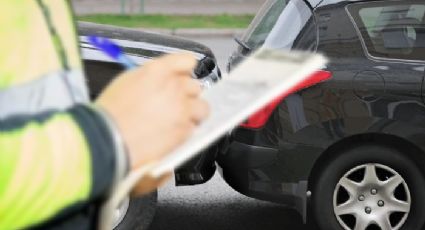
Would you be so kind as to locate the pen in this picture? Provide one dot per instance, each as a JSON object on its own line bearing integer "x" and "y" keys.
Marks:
{"x": 112, "y": 50}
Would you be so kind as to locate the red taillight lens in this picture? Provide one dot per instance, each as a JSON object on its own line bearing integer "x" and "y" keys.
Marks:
{"x": 260, "y": 118}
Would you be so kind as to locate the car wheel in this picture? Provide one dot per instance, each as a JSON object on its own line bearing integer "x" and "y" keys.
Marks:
{"x": 136, "y": 213}
{"x": 369, "y": 187}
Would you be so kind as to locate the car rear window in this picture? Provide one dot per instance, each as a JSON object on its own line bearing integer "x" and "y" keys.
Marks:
{"x": 279, "y": 24}
{"x": 392, "y": 30}
{"x": 264, "y": 22}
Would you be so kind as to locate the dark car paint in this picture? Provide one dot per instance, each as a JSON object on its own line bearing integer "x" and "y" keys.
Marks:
{"x": 139, "y": 45}
{"x": 142, "y": 46}
{"x": 113, "y": 32}
{"x": 367, "y": 99}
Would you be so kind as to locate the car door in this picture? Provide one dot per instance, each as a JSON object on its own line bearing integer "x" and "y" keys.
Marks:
{"x": 393, "y": 38}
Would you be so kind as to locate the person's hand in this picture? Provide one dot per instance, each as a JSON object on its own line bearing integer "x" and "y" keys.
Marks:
{"x": 156, "y": 107}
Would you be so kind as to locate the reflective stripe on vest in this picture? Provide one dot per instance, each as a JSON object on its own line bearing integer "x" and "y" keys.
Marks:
{"x": 48, "y": 93}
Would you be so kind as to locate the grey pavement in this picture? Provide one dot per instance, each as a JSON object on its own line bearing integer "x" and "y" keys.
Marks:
{"x": 215, "y": 205}
{"x": 222, "y": 47}
{"x": 169, "y": 6}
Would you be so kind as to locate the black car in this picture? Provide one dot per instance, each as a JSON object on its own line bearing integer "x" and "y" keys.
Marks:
{"x": 141, "y": 47}
{"x": 350, "y": 151}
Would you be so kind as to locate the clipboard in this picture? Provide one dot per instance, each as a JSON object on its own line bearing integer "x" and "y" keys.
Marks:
{"x": 265, "y": 75}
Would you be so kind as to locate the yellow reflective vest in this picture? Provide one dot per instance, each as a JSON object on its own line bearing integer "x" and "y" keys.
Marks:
{"x": 56, "y": 150}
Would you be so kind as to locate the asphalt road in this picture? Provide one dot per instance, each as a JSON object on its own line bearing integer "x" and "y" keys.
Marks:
{"x": 215, "y": 205}
{"x": 222, "y": 47}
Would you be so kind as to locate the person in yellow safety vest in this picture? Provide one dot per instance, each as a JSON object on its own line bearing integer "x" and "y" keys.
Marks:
{"x": 60, "y": 156}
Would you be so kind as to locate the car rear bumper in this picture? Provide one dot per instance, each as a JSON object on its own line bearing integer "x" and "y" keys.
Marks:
{"x": 245, "y": 168}
{"x": 198, "y": 170}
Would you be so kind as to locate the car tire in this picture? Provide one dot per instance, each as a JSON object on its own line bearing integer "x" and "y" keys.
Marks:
{"x": 329, "y": 206}
{"x": 139, "y": 214}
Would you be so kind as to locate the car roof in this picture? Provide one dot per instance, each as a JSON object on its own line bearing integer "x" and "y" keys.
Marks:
{"x": 317, "y": 3}
{"x": 147, "y": 40}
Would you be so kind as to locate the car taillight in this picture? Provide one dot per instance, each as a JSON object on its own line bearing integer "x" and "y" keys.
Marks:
{"x": 260, "y": 118}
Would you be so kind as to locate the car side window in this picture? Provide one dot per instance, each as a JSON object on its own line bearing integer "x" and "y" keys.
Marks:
{"x": 293, "y": 21}
{"x": 307, "y": 38}
{"x": 392, "y": 30}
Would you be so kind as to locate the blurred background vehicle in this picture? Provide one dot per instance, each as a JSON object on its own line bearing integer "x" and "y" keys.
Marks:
{"x": 141, "y": 47}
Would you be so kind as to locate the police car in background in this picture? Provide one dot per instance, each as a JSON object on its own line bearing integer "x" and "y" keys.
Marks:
{"x": 141, "y": 47}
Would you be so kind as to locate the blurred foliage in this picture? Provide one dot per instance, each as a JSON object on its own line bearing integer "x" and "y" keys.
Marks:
{"x": 171, "y": 21}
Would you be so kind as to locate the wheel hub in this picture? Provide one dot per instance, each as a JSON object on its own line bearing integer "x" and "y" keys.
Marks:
{"x": 120, "y": 212}
{"x": 371, "y": 200}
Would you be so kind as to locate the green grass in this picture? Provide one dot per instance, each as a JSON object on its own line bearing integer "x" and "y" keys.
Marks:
{"x": 171, "y": 21}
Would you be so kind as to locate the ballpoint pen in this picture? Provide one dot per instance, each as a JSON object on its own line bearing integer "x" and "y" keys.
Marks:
{"x": 112, "y": 50}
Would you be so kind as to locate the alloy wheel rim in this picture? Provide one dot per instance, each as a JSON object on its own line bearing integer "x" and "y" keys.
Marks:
{"x": 120, "y": 212}
{"x": 372, "y": 196}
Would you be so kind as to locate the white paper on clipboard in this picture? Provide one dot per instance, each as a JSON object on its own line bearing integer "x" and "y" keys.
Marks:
{"x": 262, "y": 77}
{"x": 255, "y": 82}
